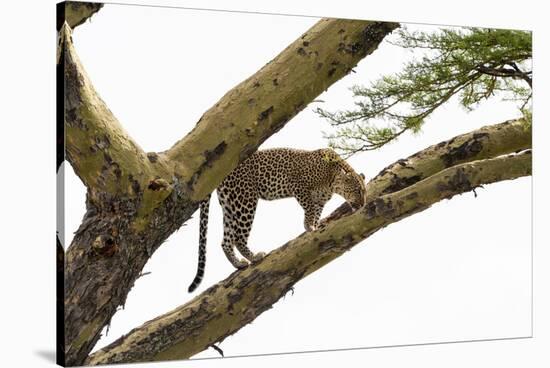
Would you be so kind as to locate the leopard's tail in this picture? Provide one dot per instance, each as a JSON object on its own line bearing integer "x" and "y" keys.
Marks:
{"x": 204, "y": 206}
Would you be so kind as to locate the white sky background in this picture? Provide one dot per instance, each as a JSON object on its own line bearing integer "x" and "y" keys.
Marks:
{"x": 458, "y": 271}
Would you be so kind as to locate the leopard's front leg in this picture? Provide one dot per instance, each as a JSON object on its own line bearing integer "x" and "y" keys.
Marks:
{"x": 312, "y": 211}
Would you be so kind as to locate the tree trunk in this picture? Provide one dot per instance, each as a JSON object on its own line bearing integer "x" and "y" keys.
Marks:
{"x": 236, "y": 301}
{"x": 135, "y": 200}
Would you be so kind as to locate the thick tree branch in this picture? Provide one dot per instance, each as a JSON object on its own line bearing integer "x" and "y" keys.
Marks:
{"x": 487, "y": 142}
{"x": 261, "y": 105}
{"x": 231, "y": 304}
{"x": 136, "y": 200}
{"x": 75, "y": 13}
{"x": 102, "y": 154}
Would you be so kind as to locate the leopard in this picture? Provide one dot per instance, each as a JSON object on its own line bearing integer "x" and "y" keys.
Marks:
{"x": 310, "y": 176}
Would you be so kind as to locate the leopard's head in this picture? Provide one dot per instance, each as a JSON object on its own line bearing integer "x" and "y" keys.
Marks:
{"x": 351, "y": 186}
{"x": 347, "y": 183}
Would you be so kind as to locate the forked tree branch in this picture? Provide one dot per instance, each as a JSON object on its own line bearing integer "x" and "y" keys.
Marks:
{"x": 229, "y": 305}
{"x": 135, "y": 200}
{"x": 107, "y": 159}
{"x": 486, "y": 142}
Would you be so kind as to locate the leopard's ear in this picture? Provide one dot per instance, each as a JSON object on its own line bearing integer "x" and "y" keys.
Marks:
{"x": 345, "y": 171}
{"x": 331, "y": 156}
{"x": 362, "y": 176}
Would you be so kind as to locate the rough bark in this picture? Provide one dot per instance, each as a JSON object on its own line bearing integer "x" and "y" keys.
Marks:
{"x": 236, "y": 301}
{"x": 486, "y": 142}
{"x": 135, "y": 200}
{"x": 75, "y": 13}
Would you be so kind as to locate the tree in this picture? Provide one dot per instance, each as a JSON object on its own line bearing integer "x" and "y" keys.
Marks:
{"x": 135, "y": 200}
{"x": 474, "y": 64}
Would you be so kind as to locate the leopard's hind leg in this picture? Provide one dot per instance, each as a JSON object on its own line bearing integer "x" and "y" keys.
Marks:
{"x": 228, "y": 243}
{"x": 242, "y": 224}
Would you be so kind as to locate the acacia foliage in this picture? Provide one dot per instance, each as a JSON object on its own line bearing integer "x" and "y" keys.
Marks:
{"x": 474, "y": 64}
